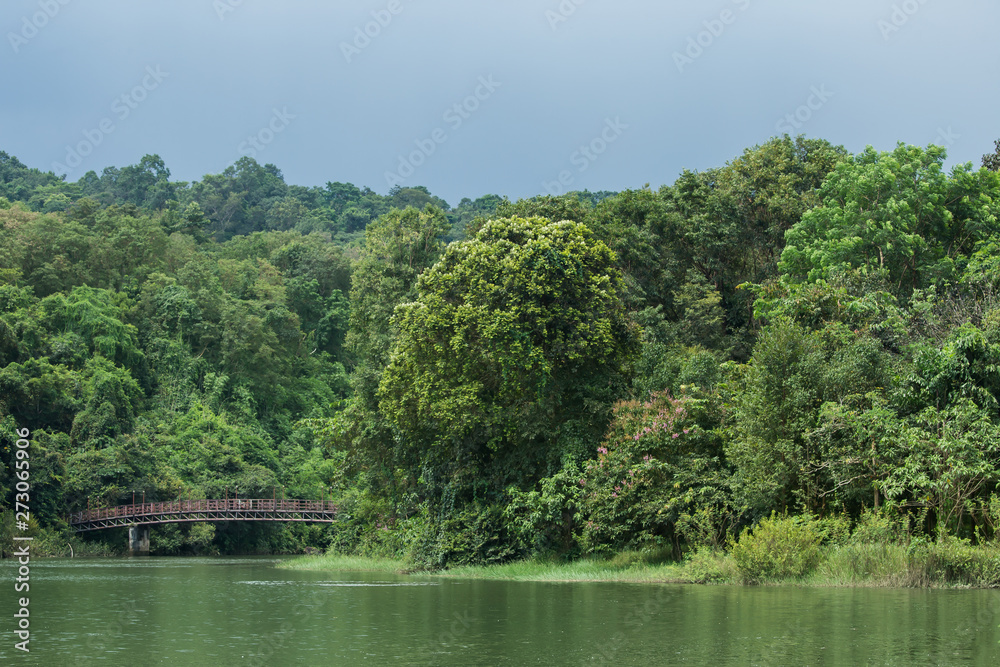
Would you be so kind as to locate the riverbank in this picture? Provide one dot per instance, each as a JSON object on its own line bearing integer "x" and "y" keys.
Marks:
{"x": 947, "y": 564}
{"x": 625, "y": 568}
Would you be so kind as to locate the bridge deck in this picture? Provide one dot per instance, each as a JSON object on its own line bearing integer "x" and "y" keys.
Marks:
{"x": 186, "y": 511}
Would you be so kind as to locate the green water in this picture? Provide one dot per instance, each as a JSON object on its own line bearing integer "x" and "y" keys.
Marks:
{"x": 243, "y": 611}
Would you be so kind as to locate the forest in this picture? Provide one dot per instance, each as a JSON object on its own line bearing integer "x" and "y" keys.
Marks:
{"x": 800, "y": 338}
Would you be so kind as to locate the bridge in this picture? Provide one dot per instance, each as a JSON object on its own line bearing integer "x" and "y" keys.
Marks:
{"x": 139, "y": 516}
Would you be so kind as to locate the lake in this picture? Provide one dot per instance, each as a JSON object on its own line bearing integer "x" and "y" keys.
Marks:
{"x": 243, "y": 611}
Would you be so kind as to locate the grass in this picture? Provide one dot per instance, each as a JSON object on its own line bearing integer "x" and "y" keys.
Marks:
{"x": 633, "y": 566}
{"x": 579, "y": 570}
{"x": 866, "y": 564}
{"x": 876, "y": 565}
{"x": 344, "y": 562}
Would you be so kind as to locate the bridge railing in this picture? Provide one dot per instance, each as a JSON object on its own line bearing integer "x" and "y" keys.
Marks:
{"x": 209, "y": 505}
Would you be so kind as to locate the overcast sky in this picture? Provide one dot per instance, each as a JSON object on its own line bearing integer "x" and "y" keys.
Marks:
{"x": 550, "y": 95}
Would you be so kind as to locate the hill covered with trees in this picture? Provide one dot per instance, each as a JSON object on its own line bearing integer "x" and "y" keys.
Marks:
{"x": 799, "y": 331}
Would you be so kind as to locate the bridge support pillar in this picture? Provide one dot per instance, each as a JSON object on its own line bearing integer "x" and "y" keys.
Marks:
{"x": 138, "y": 540}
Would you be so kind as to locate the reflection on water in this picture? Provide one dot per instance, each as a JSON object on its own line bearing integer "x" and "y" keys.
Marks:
{"x": 243, "y": 611}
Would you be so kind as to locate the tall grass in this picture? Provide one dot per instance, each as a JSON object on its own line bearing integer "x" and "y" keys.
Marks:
{"x": 868, "y": 564}
{"x": 334, "y": 561}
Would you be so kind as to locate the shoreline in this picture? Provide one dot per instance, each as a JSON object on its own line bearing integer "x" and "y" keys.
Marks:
{"x": 703, "y": 568}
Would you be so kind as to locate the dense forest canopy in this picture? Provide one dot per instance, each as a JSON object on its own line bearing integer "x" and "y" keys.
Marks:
{"x": 800, "y": 330}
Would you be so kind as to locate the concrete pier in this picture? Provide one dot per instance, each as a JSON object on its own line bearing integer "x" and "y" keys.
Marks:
{"x": 138, "y": 540}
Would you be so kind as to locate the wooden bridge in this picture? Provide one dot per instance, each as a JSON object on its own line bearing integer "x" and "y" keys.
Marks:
{"x": 138, "y": 517}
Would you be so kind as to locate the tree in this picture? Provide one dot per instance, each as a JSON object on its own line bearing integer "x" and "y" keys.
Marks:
{"x": 992, "y": 160}
{"x": 146, "y": 184}
{"x": 729, "y": 224}
{"x": 660, "y": 464}
{"x": 778, "y": 404}
{"x": 398, "y": 247}
{"x": 112, "y": 401}
{"x": 510, "y": 356}
{"x": 896, "y": 215}
{"x": 418, "y": 197}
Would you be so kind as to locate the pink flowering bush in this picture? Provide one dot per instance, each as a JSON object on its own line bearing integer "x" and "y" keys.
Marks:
{"x": 660, "y": 461}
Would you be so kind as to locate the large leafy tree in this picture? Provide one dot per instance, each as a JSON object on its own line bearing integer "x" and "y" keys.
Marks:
{"x": 896, "y": 215}
{"x": 779, "y": 402}
{"x": 510, "y": 357}
{"x": 732, "y": 220}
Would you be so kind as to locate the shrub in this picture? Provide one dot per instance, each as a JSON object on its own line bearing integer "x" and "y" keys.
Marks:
{"x": 543, "y": 522}
{"x": 474, "y": 535}
{"x": 876, "y": 527}
{"x": 833, "y": 530}
{"x": 777, "y": 548}
{"x": 659, "y": 464}
{"x": 706, "y": 565}
{"x": 955, "y": 561}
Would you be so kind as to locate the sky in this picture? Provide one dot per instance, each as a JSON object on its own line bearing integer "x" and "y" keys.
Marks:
{"x": 474, "y": 97}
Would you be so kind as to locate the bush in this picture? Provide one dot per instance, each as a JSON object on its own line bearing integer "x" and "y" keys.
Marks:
{"x": 543, "y": 522}
{"x": 777, "y": 548}
{"x": 658, "y": 466}
{"x": 833, "y": 530}
{"x": 706, "y": 565}
{"x": 955, "y": 561}
{"x": 876, "y": 527}
{"x": 473, "y": 535}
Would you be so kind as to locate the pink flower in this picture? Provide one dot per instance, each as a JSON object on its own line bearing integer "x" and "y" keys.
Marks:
{"x": 602, "y": 450}
{"x": 677, "y": 435}
{"x": 686, "y": 430}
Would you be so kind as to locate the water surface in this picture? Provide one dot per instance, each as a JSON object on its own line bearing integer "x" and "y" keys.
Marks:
{"x": 244, "y": 611}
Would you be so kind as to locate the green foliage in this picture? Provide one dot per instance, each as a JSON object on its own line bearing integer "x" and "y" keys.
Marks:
{"x": 956, "y": 561}
{"x": 545, "y": 521}
{"x": 798, "y": 329}
{"x": 778, "y": 547}
{"x": 878, "y": 527}
{"x": 112, "y": 400}
{"x": 729, "y": 224}
{"x": 659, "y": 467}
{"x": 949, "y": 458}
{"x": 895, "y": 214}
{"x": 991, "y": 161}
{"x": 171, "y": 539}
{"x": 475, "y": 534}
{"x": 707, "y": 565}
{"x": 515, "y": 342}
{"x": 793, "y": 374}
